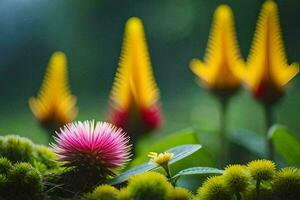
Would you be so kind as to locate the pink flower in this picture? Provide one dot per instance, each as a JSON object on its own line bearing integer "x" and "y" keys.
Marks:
{"x": 101, "y": 147}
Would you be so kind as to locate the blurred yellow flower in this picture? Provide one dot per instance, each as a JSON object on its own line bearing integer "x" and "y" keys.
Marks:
{"x": 267, "y": 70}
{"x": 161, "y": 159}
{"x": 222, "y": 56}
{"x": 54, "y": 106}
{"x": 134, "y": 88}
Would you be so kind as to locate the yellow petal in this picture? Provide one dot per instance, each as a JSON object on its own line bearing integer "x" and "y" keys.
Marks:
{"x": 134, "y": 80}
{"x": 222, "y": 55}
{"x": 120, "y": 94}
{"x": 267, "y": 60}
{"x": 143, "y": 82}
{"x": 202, "y": 71}
{"x": 54, "y": 100}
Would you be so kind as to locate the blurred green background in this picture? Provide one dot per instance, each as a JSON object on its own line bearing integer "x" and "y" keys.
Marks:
{"x": 90, "y": 33}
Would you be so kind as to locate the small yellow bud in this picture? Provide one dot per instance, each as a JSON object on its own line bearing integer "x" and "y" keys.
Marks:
{"x": 161, "y": 159}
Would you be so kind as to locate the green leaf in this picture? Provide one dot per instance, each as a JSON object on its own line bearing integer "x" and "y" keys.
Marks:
{"x": 136, "y": 170}
{"x": 186, "y": 136}
{"x": 179, "y": 152}
{"x": 251, "y": 141}
{"x": 183, "y": 151}
{"x": 198, "y": 170}
{"x": 286, "y": 145}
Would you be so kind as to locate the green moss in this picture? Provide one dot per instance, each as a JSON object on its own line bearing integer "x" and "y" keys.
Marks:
{"x": 287, "y": 184}
{"x": 41, "y": 167}
{"x": 26, "y": 179}
{"x": 149, "y": 186}
{"x": 46, "y": 156}
{"x": 3, "y": 184}
{"x": 5, "y": 166}
{"x": 1, "y": 145}
{"x": 17, "y": 149}
{"x": 214, "y": 188}
{"x": 179, "y": 194}
{"x": 102, "y": 192}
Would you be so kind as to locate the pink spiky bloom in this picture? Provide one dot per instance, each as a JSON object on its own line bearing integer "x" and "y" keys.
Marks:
{"x": 103, "y": 147}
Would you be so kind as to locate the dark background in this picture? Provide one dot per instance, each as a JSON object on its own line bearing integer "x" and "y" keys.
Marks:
{"x": 90, "y": 33}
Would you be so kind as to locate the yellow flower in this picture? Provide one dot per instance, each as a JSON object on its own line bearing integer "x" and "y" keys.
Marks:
{"x": 267, "y": 70}
{"x": 134, "y": 88}
{"x": 161, "y": 159}
{"x": 54, "y": 106}
{"x": 222, "y": 56}
{"x": 262, "y": 169}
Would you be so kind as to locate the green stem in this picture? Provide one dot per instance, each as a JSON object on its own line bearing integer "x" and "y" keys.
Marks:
{"x": 222, "y": 133}
{"x": 257, "y": 188}
{"x": 51, "y": 133}
{"x": 269, "y": 116}
{"x": 169, "y": 176}
{"x": 238, "y": 196}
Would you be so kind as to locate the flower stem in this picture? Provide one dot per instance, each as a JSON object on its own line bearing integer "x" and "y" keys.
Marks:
{"x": 257, "y": 188}
{"x": 222, "y": 133}
{"x": 238, "y": 196}
{"x": 269, "y": 117}
{"x": 168, "y": 172}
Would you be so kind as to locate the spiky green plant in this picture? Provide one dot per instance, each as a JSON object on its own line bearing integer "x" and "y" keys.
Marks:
{"x": 5, "y": 166}
{"x": 124, "y": 194}
{"x": 179, "y": 194}
{"x": 286, "y": 184}
{"x": 24, "y": 182}
{"x": 214, "y": 188}
{"x": 149, "y": 186}
{"x": 237, "y": 179}
{"x": 102, "y": 192}
{"x": 17, "y": 149}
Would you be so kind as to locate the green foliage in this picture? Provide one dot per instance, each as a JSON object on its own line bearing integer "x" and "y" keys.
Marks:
{"x": 22, "y": 165}
{"x": 17, "y": 149}
{"x": 262, "y": 169}
{"x": 187, "y": 136}
{"x": 124, "y": 194}
{"x": 179, "y": 152}
{"x": 26, "y": 179}
{"x": 5, "y": 166}
{"x": 46, "y": 156}
{"x": 237, "y": 178}
{"x": 287, "y": 184}
{"x": 149, "y": 186}
{"x": 33, "y": 178}
{"x": 3, "y": 183}
{"x": 1, "y": 144}
{"x": 249, "y": 140}
{"x": 264, "y": 194}
{"x": 102, "y": 192}
{"x": 197, "y": 171}
{"x": 286, "y": 145}
{"x": 214, "y": 188}
{"x": 179, "y": 194}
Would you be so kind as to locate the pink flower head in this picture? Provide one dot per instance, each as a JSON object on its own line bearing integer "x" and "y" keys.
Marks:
{"x": 101, "y": 147}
